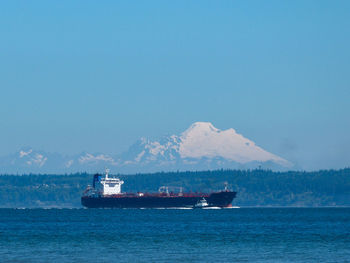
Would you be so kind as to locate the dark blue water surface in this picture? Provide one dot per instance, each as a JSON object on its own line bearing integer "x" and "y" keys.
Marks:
{"x": 132, "y": 235}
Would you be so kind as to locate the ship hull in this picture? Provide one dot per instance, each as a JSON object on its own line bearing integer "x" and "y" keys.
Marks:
{"x": 218, "y": 199}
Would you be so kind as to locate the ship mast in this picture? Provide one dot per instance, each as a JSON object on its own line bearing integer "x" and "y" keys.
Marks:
{"x": 107, "y": 171}
{"x": 226, "y": 184}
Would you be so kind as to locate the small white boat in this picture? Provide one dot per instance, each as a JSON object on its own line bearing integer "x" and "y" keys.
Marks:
{"x": 201, "y": 203}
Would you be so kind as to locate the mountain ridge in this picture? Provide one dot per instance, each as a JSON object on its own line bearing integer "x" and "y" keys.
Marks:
{"x": 201, "y": 146}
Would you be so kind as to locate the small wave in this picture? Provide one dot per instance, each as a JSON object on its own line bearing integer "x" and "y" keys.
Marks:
{"x": 182, "y": 208}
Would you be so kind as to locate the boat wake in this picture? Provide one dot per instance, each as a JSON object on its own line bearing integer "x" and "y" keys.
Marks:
{"x": 166, "y": 208}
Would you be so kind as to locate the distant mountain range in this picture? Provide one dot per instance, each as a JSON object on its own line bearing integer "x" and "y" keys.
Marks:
{"x": 200, "y": 147}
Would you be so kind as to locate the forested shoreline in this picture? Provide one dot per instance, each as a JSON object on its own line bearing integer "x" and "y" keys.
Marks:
{"x": 255, "y": 187}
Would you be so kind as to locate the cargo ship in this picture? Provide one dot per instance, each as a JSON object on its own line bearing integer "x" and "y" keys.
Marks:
{"x": 105, "y": 192}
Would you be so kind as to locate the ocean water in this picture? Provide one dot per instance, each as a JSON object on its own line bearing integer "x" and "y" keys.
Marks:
{"x": 174, "y": 235}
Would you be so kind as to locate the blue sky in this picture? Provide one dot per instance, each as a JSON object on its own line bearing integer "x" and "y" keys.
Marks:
{"x": 95, "y": 76}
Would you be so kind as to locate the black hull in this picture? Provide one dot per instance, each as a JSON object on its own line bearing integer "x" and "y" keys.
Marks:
{"x": 219, "y": 199}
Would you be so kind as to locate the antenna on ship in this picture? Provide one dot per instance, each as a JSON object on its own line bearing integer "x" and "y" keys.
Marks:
{"x": 107, "y": 171}
{"x": 226, "y": 184}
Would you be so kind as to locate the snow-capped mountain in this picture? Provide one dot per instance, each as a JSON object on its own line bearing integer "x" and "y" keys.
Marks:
{"x": 28, "y": 160}
{"x": 200, "y": 147}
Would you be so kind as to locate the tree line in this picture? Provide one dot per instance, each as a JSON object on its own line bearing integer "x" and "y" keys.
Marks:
{"x": 254, "y": 187}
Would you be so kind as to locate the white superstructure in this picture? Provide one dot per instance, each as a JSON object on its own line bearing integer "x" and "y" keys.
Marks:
{"x": 108, "y": 186}
{"x": 201, "y": 203}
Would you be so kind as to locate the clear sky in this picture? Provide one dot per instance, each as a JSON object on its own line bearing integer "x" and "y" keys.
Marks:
{"x": 97, "y": 75}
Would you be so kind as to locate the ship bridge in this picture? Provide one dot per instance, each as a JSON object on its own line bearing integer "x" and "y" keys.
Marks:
{"x": 107, "y": 185}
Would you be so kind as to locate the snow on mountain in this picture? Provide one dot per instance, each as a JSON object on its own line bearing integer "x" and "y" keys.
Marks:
{"x": 24, "y": 153}
{"x": 146, "y": 151}
{"x": 32, "y": 158}
{"x": 202, "y": 139}
{"x": 28, "y": 160}
{"x": 89, "y": 158}
{"x": 200, "y": 147}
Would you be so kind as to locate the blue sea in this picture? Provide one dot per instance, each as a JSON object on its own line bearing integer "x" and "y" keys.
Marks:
{"x": 175, "y": 235}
